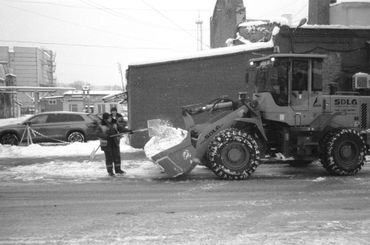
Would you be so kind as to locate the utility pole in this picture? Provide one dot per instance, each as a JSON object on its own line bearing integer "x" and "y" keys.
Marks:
{"x": 199, "y": 23}
{"x": 122, "y": 80}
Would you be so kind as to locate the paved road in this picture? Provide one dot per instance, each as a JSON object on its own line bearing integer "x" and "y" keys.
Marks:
{"x": 278, "y": 205}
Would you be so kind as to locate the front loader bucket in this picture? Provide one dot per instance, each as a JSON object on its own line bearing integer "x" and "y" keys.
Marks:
{"x": 177, "y": 160}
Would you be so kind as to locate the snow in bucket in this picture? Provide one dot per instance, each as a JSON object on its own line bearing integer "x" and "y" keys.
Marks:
{"x": 167, "y": 136}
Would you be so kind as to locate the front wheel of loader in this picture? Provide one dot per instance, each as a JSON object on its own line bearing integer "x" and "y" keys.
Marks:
{"x": 233, "y": 154}
{"x": 343, "y": 152}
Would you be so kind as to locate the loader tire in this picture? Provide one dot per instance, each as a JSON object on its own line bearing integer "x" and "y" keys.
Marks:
{"x": 343, "y": 152}
{"x": 233, "y": 154}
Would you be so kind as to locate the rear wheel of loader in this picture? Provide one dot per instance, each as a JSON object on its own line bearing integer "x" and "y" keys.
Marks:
{"x": 233, "y": 154}
{"x": 343, "y": 152}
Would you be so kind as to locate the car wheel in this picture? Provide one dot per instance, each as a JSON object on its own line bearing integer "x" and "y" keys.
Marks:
{"x": 76, "y": 136}
{"x": 9, "y": 139}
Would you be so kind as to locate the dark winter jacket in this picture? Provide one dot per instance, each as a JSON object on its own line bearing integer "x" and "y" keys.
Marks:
{"x": 107, "y": 142}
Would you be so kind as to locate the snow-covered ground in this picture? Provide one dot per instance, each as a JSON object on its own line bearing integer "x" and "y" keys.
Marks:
{"x": 68, "y": 163}
{"x": 54, "y": 163}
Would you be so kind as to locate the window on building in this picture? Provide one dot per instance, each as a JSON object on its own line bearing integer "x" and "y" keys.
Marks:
{"x": 101, "y": 108}
{"x": 73, "y": 107}
{"x": 52, "y": 102}
{"x": 2, "y": 74}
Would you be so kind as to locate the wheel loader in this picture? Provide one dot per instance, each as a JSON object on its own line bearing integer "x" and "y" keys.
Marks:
{"x": 293, "y": 116}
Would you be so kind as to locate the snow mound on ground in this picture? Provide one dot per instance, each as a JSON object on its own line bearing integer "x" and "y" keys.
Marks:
{"x": 76, "y": 171}
{"x": 168, "y": 137}
{"x": 74, "y": 149}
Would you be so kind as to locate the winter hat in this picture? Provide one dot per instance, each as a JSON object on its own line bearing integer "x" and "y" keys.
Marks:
{"x": 106, "y": 115}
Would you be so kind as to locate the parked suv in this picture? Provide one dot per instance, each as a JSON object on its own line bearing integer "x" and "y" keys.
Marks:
{"x": 52, "y": 127}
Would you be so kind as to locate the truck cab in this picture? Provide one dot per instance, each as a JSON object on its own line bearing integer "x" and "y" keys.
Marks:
{"x": 289, "y": 87}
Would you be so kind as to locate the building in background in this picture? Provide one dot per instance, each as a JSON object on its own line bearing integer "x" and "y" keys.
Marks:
{"x": 227, "y": 14}
{"x": 32, "y": 67}
{"x": 350, "y": 13}
{"x": 51, "y": 103}
{"x": 318, "y": 12}
{"x": 331, "y": 12}
{"x": 88, "y": 101}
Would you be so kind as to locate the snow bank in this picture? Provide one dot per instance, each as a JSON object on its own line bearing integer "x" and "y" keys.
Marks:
{"x": 74, "y": 149}
{"x": 59, "y": 171}
{"x": 167, "y": 137}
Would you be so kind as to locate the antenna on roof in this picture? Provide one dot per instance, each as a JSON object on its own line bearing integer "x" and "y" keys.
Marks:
{"x": 122, "y": 80}
{"x": 199, "y": 23}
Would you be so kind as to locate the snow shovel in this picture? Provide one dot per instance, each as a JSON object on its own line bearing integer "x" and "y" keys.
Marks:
{"x": 177, "y": 160}
{"x": 93, "y": 153}
{"x": 133, "y": 131}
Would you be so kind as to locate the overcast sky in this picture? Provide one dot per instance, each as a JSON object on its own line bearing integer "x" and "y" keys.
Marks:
{"x": 90, "y": 37}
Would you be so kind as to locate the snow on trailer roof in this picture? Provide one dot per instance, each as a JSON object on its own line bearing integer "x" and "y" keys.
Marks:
{"x": 211, "y": 53}
{"x": 294, "y": 55}
{"x": 53, "y": 97}
{"x": 121, "y": 96}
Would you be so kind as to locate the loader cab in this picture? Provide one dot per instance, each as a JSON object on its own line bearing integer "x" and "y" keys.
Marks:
{"x": 293, "y": 80}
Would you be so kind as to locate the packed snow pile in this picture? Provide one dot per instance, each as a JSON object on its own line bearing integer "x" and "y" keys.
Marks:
{"x": 165, "y": 138}
{"x": 74, "y": 149}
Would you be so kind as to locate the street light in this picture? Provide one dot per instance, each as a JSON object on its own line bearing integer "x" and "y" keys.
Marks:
{"x": 86, "y": 97}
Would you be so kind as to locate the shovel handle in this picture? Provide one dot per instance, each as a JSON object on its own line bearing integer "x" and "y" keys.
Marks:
{"x": 134, "y": 131}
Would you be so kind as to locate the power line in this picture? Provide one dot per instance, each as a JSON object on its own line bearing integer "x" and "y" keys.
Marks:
{"x": 93, "y": 8}
{"x": 171, "y": 21}
{"x": 81, "y": 25}
{"x": 86, "y": 45}
{"x": 117, "y": 14}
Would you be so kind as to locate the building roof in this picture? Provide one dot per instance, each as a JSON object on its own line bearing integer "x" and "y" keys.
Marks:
{"x": 116, "y": 97}
{"x": 352, "y": 2}
{"x": 210, "y": 53}
{"x": 93, "y": 92}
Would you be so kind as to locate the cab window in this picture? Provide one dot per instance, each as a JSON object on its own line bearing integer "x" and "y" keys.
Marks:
{"x": 316, "y": 75}
{"x": 300, "y": 75}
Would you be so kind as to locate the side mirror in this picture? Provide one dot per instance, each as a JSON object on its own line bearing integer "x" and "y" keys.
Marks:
{"x": 28, "y": 123}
